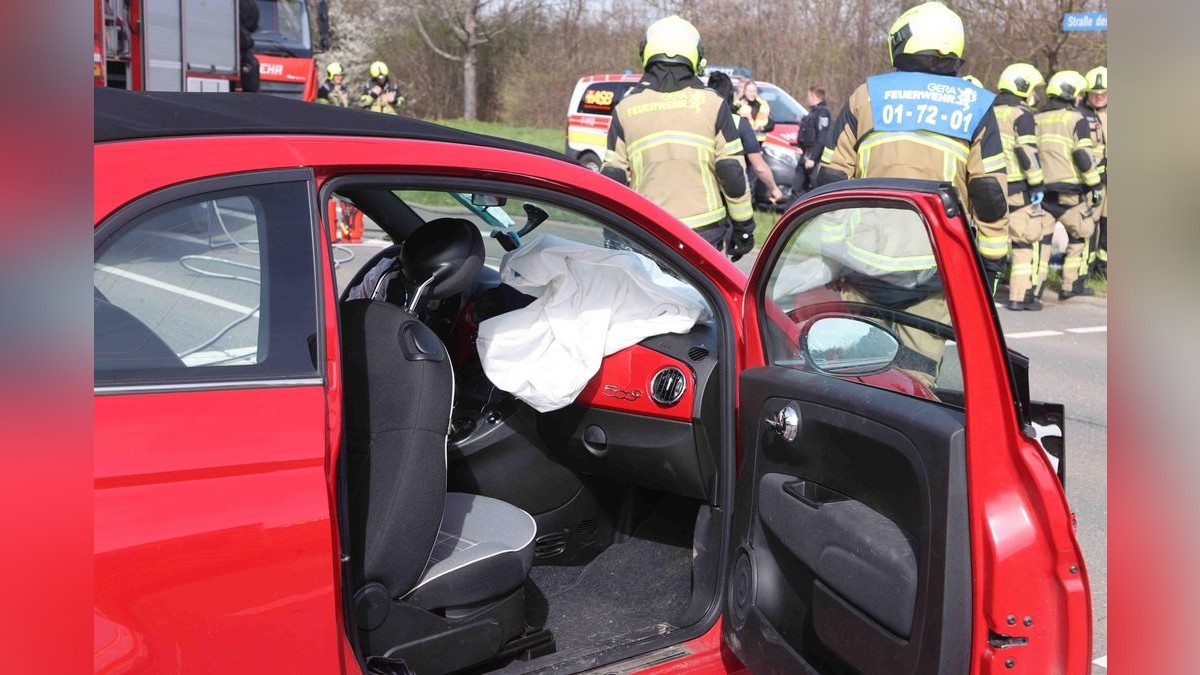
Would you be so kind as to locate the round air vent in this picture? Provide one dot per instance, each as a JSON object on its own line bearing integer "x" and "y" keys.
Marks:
{"x": 668, "y": 386}
{"x": 698, "y": 353}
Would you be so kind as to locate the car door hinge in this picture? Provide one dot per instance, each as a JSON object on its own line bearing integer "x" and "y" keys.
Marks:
{"x": 1002, "y": 641}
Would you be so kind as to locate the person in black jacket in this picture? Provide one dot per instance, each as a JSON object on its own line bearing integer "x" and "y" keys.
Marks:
{"x": 247, "y": 24}
{"x": 813, "y": 136}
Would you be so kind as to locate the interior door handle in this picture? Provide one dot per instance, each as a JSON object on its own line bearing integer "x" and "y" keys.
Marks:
{"x": 786, "y": 422}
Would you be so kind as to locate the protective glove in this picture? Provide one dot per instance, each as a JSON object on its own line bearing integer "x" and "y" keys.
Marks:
{"x": 1097, "y": 195}
{"x": 1037, "y": 194}
{"x": 742, "y": 240}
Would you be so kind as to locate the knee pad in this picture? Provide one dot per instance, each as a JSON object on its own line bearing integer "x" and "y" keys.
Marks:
{"x": 732, "y": 176}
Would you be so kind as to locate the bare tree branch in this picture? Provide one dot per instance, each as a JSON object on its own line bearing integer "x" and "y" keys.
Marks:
{"x": 429, "y": 42}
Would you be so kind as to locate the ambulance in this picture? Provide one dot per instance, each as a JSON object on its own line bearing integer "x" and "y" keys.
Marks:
{"x": 589, "y": 115}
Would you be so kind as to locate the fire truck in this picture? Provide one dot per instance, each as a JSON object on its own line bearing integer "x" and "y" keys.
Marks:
{"x": 197, "y": 45}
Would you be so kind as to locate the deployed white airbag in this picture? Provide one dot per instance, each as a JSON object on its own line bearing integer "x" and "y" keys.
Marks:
{"x": 590, "y": 303}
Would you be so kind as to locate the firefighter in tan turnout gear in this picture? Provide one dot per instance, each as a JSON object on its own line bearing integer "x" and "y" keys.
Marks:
{"x": 1095, "y": 109}
{"x": 333, "y": 90}
{"x": 1030, "y": 227}
{"x": 893, "y": 127}
{"x": 673, "y": 140}
{"x": 1073, "y": 188}
{"x": 924, "y": 122}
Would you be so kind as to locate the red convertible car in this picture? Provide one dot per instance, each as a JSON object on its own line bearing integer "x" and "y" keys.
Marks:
{"x": 533, "y": 423}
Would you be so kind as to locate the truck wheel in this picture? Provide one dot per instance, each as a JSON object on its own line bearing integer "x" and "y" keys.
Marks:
{"x": 590, "y": 161}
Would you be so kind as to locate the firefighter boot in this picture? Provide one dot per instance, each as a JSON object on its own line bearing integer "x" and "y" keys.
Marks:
{"x": 1029, "y": 304}
{"x": 1077, "y": 288}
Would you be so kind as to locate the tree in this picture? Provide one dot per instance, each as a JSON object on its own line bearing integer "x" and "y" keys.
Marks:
{"x": 354, "y": 25}
{"x": 469, "y": 25}
{"x": 1031, "y": 31}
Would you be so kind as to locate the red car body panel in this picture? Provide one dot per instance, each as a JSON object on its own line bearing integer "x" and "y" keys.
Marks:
{"x": 1024, "y": 555}
{"x": 623, "y": 384}
{"x": 212, "y": 528}
{"x": 217, "y": 549}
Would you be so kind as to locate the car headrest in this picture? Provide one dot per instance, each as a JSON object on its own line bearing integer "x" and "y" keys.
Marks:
{"x": 448, "y": 250}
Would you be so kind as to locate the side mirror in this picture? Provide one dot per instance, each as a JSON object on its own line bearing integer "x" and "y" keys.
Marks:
{"x": 841, "y": 345}
{"x": 323, "y": 25}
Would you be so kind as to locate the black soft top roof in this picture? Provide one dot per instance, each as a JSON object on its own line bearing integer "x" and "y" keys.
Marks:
{"x": 126, "y": 115}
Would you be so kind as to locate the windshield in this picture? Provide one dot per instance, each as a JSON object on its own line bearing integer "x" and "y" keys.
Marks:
{"x": 283, "y": 27}
{"x": 784, "y": 108}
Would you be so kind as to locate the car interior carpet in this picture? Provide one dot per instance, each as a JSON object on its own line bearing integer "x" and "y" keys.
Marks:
{"x": 638, "y": 587}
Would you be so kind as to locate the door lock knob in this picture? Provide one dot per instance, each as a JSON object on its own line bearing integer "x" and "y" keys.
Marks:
{"x": 786, "y": 422}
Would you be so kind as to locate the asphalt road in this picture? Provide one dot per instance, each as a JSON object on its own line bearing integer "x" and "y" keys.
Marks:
{"x": 1067, "y": 345}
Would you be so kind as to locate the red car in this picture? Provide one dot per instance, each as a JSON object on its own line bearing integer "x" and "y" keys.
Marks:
{"x": 537, "y": 423}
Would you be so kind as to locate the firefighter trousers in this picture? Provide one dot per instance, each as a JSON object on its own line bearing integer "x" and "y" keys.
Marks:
{"x": 1027, "y": 227}
{"x": 1099, "y": 264}
{"x": 1077, "y": 219}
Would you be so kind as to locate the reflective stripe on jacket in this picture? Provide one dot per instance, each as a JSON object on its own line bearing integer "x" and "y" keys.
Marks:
{"x": 759, "y": 120}
{"x": 1061, "y": 131}
{"x": 859, "y": 151}
{"x": 668, "y": 144}
{"x": 1018, "y": 129}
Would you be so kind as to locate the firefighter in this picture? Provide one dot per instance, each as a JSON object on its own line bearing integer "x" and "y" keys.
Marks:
{"x": 873, "y": 138}
{"x": 673, "y": 140}
{"x": 332, "y": 91}
{"x": 755, "y": 109}
{"x": 379, "y": 94}
{"x": 1095, "y": 109}
{"x": 1028, "y": 222}
{"x": 1073, "y": 188}
{"x": 813, "y": 136}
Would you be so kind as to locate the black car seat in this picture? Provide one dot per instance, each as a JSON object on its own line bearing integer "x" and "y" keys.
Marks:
{"x": 439, "y": 576}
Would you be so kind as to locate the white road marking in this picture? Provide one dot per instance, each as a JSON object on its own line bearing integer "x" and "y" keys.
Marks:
{"x": 177, "y": 236}
{"x": 1102, "y": 662}
{"x": 1089, "y": 329}
{"x": 187, "y": 293}
{"x": 1032, "y": 334}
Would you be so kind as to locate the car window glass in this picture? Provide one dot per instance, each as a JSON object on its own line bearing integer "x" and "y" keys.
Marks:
{"x": 511, "y": 216}
{"x": 208, "y": 287}
{"x": 784, "y": 108}
{"x": 857, "y": 294}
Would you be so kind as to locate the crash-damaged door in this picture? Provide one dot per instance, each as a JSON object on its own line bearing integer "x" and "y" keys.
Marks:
{"x": 879, "y": 438}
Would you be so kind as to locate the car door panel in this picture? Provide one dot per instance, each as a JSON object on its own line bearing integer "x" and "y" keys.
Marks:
{"x": 213, "y": 505}
{"x": 848, "y": 520}
{"x": 213, "y": 523}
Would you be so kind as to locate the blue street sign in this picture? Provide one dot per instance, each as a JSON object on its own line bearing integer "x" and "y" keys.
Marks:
{"x": 1085, "y": 21}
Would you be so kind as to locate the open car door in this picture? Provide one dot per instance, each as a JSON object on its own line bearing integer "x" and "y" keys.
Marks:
{"x": 857, "y": 500}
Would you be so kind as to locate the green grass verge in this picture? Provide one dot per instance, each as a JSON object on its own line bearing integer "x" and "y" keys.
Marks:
{"x": 1054, "y": 282}
{"x": 552, "y": 139}
{"x": 764, "y": 221}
